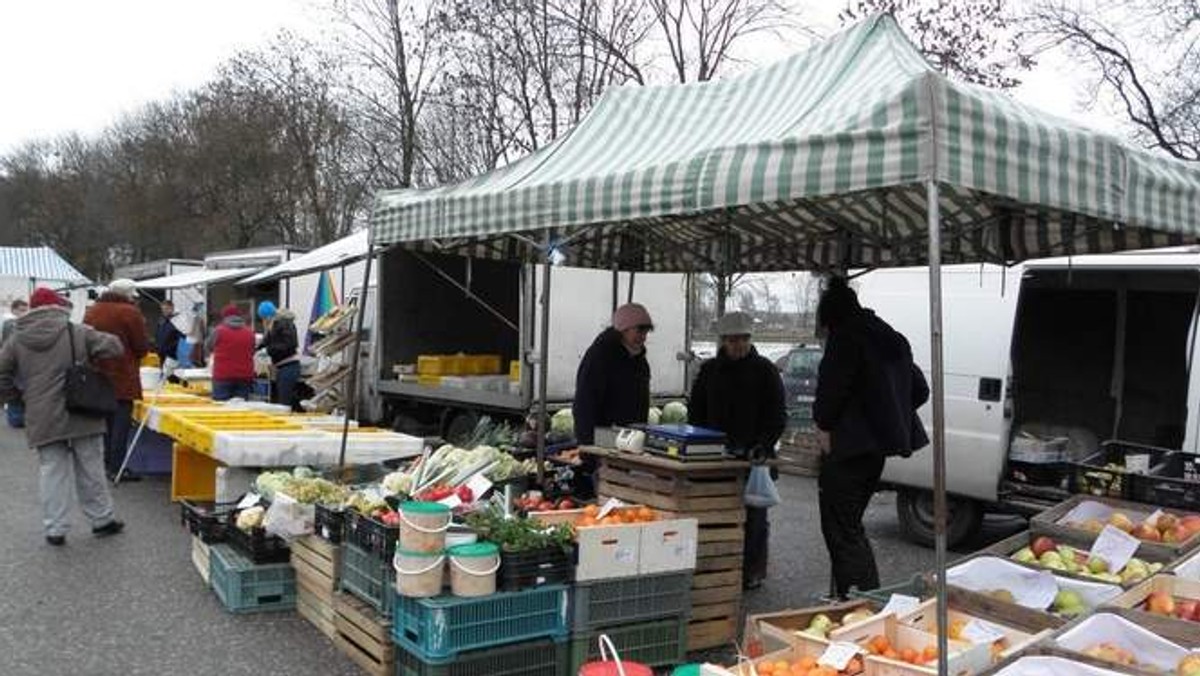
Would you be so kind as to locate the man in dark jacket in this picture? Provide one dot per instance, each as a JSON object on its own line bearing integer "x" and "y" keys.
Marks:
{"x": 612, "y": 386}
{"x": 283, "y": 347}
{"x": 741, "y": 394}
{"x": 116, "y": 313}
{"x": 868, "y": 393}
{"x": 167, "y": 337}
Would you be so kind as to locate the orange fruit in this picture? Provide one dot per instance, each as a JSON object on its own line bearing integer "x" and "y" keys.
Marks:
{"x": 808, "y": 662}
{"x": 781, "y": 667}
{"x": 929, "y": 654}
{"x": 591, "y": 510}
{"x": 765, "y": 668}
{"x": 891, "y": 654}
{"x": 908, "y": 655}
{"x": 646, "y": 514}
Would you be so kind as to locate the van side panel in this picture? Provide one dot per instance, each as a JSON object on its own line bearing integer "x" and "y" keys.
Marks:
{"x": 979, "y": 306}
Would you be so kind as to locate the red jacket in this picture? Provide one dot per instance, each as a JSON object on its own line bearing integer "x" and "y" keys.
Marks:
{"x": 116, "y": 314}
{"x": 233, "y": 351}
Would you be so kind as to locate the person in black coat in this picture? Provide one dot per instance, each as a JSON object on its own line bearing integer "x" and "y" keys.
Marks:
{"x": 167, "y": 337}
{"x": 868, "y": 393}
{"x": 741, "y": 394}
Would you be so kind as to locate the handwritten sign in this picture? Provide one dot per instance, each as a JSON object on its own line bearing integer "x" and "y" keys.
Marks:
{"x": 1115, "y": 547}
{"x": 838, "y": 655}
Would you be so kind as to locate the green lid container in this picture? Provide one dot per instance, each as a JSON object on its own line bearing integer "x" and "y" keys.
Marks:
{"x": 415, "y": 507}
{"x": 474, "y": 550}
{"x": 427, "y": 555}
{"x": 686, "y": 670}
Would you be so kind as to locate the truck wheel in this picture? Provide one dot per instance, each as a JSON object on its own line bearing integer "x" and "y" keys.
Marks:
{"x": 407, "y": 424}
{"x": 459, "y": 426}
{"x": 914, "y": 507}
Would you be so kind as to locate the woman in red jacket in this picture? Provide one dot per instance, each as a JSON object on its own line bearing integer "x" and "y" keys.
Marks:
{"x": 231, "y": 350}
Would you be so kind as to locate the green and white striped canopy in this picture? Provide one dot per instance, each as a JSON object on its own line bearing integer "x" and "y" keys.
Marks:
{"x": 818, "y": 161}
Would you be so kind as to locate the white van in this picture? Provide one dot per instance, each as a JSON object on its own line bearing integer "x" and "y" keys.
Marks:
{"x": 1096, "y": 347}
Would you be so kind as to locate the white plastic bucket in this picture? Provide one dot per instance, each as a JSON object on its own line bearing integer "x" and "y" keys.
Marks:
{"x": 460, "y": 536}
{"x": 473, "y": 569}
{"x": 150, "y": 377}
{"x": 419, "y": 574}
{"x": 423, "y": 526}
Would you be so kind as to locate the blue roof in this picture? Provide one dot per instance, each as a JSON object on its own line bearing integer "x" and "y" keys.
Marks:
{"x": 39, "y": 262}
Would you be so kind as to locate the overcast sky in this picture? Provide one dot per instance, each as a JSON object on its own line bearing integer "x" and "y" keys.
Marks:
{"x": 77, "y": 65}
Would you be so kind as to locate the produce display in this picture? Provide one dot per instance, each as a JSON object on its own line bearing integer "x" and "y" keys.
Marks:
{"x": 518, "y": 534}
{"x": 821, "y": 624}
{"x": 1158, "y": 527}
{"x": 250, "y": 518}
{"x": 1110, "y": 652}
{"x": 1189, "y": 666}
{"x": 806, "y": 666}
{"x": 302, "y": 485}
{"x": 1162, "y": 603}
{"x": 880, "y": 645}
{"x": 452, "y": 466}
{"x": 674, "y": 413}
{"x": 1044, "y": 552}
{"x": 535, "y": 501}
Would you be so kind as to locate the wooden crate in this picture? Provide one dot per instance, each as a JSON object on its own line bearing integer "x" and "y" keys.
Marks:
{"x": 1130, "y": 605}
{"x": 778, "y": 630}
{"x": 200, "y": 558}
{"x": 1048, "y": 522}
{"x": 318, "y": 565}
{"x": 363, "y": 635}
{"x": 1179, "y": 632}
{"x": 1050, "y": 650}
{"x": 672, "y": 489}
{"x": 318, "y": 610}
{"x": 1010, "y": 545}
{"x": 716, "y": 633}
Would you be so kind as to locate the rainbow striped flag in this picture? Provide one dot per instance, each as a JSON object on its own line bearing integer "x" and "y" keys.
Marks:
{"x": 323, "y": 302}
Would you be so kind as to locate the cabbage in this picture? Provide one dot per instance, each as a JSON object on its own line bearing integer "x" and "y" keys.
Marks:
{"x": 674, "y": 413}
{"x": 563, "y": 421}
{"x": 655, "y": 415}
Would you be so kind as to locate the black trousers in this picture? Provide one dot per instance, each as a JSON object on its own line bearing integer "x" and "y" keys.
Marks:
{"x": 845, "y": 489}
{"x": 116, "y": 438}
{"x": 758, "y": 535}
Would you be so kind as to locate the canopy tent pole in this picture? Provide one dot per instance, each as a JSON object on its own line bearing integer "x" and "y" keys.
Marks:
{"x": 352, "y": 389}
{"x": 938, "y": 438}
{"x": 543, "y": 363}
{"x": 632, "y": 277}
{"x": 616, "y": 288}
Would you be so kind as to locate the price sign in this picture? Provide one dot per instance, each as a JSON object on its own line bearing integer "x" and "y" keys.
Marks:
{"x": 838, "y": 655}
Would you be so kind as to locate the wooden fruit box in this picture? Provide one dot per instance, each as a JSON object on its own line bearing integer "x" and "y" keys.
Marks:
{"x": 672, "y": 485}
{"x": 1090, "y": 664}
{"x": 790, "y": 655}
{"x": 1182, "y": 634}
{"x": 364, "y": 636}
{"x": 717, "y": 632}
{"x": 1016, "y": 638}
{"x": 318, "y": 610}
{"x": 1082, "y": 541}
{"x": 318, "y": 564}
{"x": 1050, "y": 522}
{"x": 1177, "y": 587}
{"x": 200, "y": 558}
{"x": 1187, "y": 567}
{"x": 779, "y": 630}
{"x": 965, "y": 659}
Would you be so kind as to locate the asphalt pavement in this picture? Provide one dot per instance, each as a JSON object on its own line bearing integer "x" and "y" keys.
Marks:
{"x": 133, "y": 605}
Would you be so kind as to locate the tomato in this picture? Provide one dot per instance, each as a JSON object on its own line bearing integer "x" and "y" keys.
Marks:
{"x": 546, "y": 506}
{"x": 566, "y": 503}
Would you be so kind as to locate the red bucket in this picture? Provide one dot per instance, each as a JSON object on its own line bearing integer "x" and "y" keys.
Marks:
{"x": 613, "y": 666}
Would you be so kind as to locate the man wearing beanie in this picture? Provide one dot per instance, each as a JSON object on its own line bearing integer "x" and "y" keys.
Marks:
{"x": 38, "y": 356}
{"x": 116, "y": 312}
{"x": 231, "y": 349}
{"x": 612, "y": 386}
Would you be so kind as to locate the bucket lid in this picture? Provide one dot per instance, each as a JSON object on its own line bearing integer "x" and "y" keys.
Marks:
{"x": 428, "y": 555}
{"x": 475, "y": 549}
{"x": 415, "y": 507}
{"x": 686, "y": 670}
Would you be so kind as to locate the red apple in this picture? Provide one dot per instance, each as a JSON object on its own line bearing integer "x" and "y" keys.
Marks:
{"x": 1177, "y": 534}
{"x": 1166, "y": 522}
{"x": 1147, "y": 532}
{"x": 1185, "y": 609}
{"x": 1043, "y": 544}
{"x": 1191, "y": 522}
{"x": 1160, "y": 603}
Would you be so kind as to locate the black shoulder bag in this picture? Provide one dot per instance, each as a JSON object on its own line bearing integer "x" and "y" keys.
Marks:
{"x": 89, "y": 392}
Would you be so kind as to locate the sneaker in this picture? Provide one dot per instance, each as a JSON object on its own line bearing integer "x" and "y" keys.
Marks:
{"x": 111, "y": 528}
{"x": 56, "y": 540}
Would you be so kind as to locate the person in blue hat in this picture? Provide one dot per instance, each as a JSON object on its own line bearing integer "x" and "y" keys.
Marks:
{"x": 283, "y": 347}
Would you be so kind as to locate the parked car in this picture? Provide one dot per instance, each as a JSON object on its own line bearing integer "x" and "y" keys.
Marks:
{"x": 799, "y": 371}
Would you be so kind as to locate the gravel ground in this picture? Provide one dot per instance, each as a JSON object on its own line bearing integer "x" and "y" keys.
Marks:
{"x": 133, "y": 604}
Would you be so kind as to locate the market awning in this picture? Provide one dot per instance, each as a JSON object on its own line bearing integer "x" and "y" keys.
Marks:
{"x": 38, "y": 263}
{"x": 341, "y": 252}
{"x": 193, "y": 278}
{"x": 818, "y": 161}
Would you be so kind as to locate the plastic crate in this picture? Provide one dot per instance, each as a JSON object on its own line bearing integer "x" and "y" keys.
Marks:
{"x": 623, "y": 600}
{"x": 256, "y": 544}
{"x": 367, "y": 577}
{"x": 1054, "y": 474}
{"x": 538, "y": 568}
{"x": 1173, "y": 483}
{"x": 654, "y": 644}
{"x": 534, "y": 658}
{"x": 442, "y": 627}
{"x": 1091, "y": 476}
{"x": 370, "y": 535}
{"x": 244, "y": 587}
{"x": 916, "y": 586}
{"x": 206, "y": 520}
{"x": 329, "y": 523}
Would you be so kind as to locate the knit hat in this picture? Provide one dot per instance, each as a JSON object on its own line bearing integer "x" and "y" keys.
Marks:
{"x": 230, "y": 310}
{"x": 735, "y": 324}
{"x": 43, "y": 296}
{"x": 630, "y": 316}
{"x": 124, "y": 287}
{"x": 266, "y": 310}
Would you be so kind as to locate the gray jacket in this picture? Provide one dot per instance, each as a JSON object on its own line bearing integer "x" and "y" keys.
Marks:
{"x": 39, "y": 356}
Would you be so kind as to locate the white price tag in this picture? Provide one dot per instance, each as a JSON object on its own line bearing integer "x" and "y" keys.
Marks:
{"x": 479, "y": 486}
{"x": 451, "y": 502}
{"x": 978, "y": 631}
{"x": 900, "y": 603}
{"x": 1138, "y": 463}
{"x": 609, "y": 506}
{"x": 373, "y": 494}
{"x": 838, "y": 655}
{"x": 1116, "y": 547}
{"x": 248, "y": 500}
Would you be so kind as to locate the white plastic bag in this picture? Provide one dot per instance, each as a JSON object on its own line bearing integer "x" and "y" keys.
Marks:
{"x": 289, "y": 519}
{"x": 760, "y": 489}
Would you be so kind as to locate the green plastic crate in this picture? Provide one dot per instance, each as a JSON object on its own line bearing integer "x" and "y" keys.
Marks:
{"x": 534, "y": 658}
{"x": 655, "y": 644}
{"x": 916, "y": 586}
{"x": 624, "y": 600}
{"x": 246, "y": 587}
{"x": 367, "y": 578}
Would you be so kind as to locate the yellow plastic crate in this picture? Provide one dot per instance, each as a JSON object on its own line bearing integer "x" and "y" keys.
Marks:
{"x": 430, "y": 380}
{"x": 514, "y": 370}
{"x": 483, "y": 364}
{"x": 435, "y": 365}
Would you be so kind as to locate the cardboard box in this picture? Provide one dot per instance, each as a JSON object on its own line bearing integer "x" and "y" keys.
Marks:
{"x": 668, "y": 546}
{"x": 623, "y": 550}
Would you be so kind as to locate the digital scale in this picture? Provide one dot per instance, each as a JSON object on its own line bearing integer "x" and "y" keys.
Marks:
{"x": 684, "y": 442}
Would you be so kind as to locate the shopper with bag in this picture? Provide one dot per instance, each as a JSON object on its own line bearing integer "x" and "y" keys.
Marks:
{"x": 868, "y": 393}
{"x": 740, "y": 393}
{"x": 45, "y": 354}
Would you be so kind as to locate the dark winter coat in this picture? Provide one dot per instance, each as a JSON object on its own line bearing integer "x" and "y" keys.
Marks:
{"x": 166, "y": 339}
{"x": 116, "y": 314}
{"x": 281, "y": 341}
{"x": 612, "y": 387}
{"x": 38, "y": 357}
{"x": 743, "y": 398}
{"x": 869, "y": 390}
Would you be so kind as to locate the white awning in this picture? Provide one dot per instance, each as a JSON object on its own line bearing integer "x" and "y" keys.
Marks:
{"x": 342, "y": 252}
{"x": 193, "y": 278}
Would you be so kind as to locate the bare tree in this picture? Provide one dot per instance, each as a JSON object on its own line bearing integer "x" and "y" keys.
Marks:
{"x": 700, "y": 34}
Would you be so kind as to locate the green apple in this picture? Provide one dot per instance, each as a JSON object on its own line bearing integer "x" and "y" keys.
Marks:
{"x": 1025, "y": 555}
{"x": 1097, "y": 565}
{"x": 1051, "y": 558}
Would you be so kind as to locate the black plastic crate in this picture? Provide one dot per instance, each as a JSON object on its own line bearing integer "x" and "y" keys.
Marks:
{"x": 371, "y": 535}
{"x": 1053, "y": 474}
{"x": 1093, "y": 476}
{"x": 537, "y": 568}
{"x": 206, "y": 520}
{"x": 1174, "y": 483}
{"x": 329, "y": 523}
{"x": 256, "y": 544}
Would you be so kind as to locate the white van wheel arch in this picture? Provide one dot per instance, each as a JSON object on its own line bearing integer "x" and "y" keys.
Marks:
{"x": 914, "y": 508}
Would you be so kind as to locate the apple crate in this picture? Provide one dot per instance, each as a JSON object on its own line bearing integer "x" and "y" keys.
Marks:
{"x": 1131, "y": 632}
{"x": 1016, "y": 637}
{"x": 1176, "y": 588}
{"x": 789, "y": 654}
{"x": 1047, "y": 658}
{"x": 1059, "y": 522}
{"x": 780, "y": 630}
{"x": 1187, "y": 567}
{"x": 1080, "y": 541}
{"x": 965, "y": 659}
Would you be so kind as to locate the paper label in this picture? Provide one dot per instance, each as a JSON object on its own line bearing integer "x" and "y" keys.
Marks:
{"x": 625, "y": 555}
{"x": 373, "y": 494}
{"x": 1137, "y": 463}
{"x": 838, "y": 655}
{"x": 479, "y": 486}
{"x": 248, "y": 500}
{"x": 978, "y": 631}
{"x": 1116, "y": 547}
{"x": 609, "y": 506}
{"x": 1040, "y": 593}
{"x": 900, "y": 603}
{"x": 452, "y": 502}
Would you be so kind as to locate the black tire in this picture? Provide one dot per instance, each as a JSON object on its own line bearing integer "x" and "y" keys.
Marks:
{"x": 407, "y": 424}
{"x": 914, "y": 508}
{"x": 459, "y": 426}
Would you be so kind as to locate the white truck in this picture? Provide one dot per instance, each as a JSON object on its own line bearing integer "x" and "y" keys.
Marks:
{"x": 1096, "y": 348}
{"x": 436, "y": 304}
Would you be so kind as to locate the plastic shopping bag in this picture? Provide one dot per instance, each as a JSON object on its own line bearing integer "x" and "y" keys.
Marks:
{"x": 760, "y": 489}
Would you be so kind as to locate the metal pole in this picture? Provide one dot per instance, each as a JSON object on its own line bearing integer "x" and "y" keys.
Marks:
{"x": 543, "y": 363}
{"x": 632, "y": 277}
{"x": 351, "y": 402}
{"x": 938, "y": 437}
{"x": 616, "y": 288}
